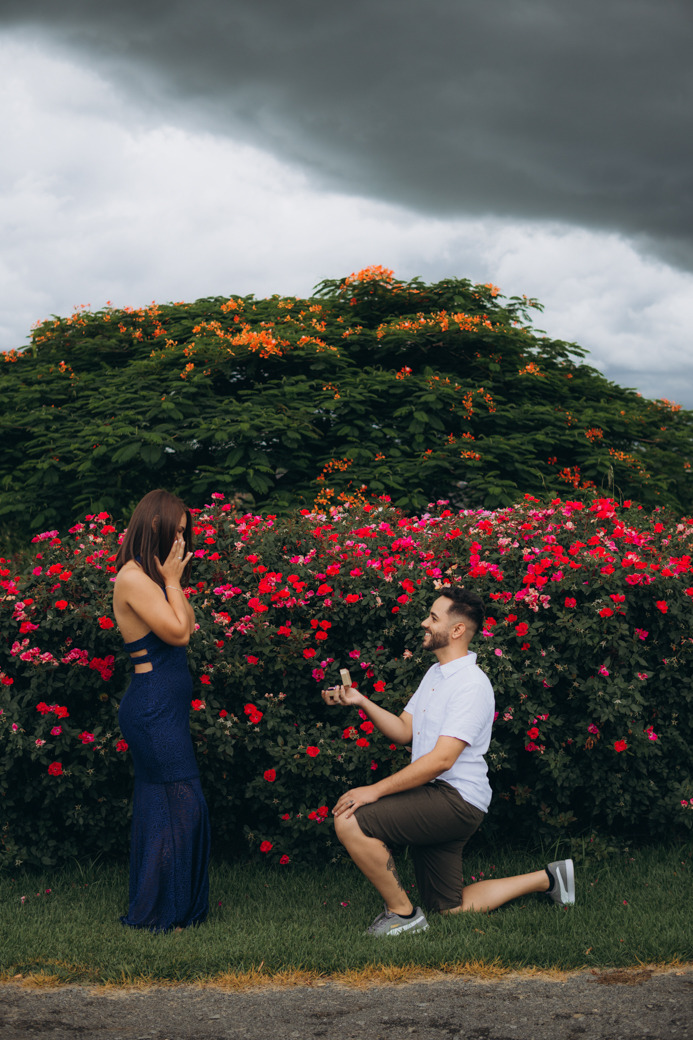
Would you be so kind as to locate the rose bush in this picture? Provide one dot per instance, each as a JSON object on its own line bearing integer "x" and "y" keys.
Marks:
{"x": 587, "y": 642}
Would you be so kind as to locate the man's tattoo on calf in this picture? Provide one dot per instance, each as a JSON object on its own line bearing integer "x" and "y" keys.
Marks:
{"x": 390, "y": 865}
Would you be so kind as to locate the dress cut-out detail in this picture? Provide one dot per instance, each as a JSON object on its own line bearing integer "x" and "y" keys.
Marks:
{"x": 169, "y": 854}
{"x": 141, "y": 660}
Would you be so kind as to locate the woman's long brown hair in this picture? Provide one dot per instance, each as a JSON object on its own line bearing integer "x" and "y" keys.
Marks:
{"x": 151, "y": 532}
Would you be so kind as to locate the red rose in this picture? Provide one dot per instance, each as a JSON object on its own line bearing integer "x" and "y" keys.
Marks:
{"x": 309, "y": 652}
{"x": 352, "y": 598}
{"x": 86, "y": 738}
{"x": 620, "y": 745}
{"x": 55, "y": 769}
{"x": 570, "y": 602}
{"x": 605, "y": 612}
{"x": 251, "y": 659}
{"x": 61, "y": 604}
{"x": 270, "y": 775}
{"x": 121, "y": 745}
{"x": 265, "y": 846}
{"x": 284, "y": 859}
{"x": 522, "y": 629}
{"x": 312, "y": 751}
{"x": 205, "y": 680}
{"x": 379, "y": 686}
{"x": 105, "y": 622}
{"x": 662, "y": 605}
{"x": 197, "y": 705}
{"x": 321, "y": 635}
{"x": 533, "y": 733}
{"x": 223, "y": 713}
{"x": 362, "y": 742}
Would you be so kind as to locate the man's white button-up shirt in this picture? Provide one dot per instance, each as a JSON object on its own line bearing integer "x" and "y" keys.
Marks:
{"x": 456, "y": 700}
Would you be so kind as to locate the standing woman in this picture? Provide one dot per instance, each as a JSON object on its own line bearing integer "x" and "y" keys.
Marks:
{"x": 169, "y": 854}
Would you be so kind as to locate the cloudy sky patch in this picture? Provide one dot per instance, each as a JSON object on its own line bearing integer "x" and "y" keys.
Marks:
{"x": 171, "y": 151}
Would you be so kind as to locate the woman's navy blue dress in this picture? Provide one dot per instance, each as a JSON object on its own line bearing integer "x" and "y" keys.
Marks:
{"x": 169, "y": 854}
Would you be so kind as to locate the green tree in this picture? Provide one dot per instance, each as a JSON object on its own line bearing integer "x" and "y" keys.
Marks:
{"x": 371, "y": 386}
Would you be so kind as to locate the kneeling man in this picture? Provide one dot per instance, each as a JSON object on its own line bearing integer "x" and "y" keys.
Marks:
{"x": 437, "y": 802}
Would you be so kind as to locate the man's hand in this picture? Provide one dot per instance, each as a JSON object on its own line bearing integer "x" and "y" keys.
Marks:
{"x": 350, "y": 801}
{"x": 342, "y": 695}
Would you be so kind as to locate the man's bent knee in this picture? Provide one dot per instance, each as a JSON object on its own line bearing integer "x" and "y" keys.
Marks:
{"x": 348, "y": 829}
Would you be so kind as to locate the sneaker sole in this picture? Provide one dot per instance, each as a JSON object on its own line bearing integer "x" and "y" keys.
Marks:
{"x": 417, "y": 926}
{"x": 566, "y": 892}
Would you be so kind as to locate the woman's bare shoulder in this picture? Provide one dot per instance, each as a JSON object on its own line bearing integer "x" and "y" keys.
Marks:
{"x": 131, "y": 576}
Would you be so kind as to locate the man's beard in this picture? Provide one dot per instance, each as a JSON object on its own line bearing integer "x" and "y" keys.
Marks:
{"x": 436, "y": 640}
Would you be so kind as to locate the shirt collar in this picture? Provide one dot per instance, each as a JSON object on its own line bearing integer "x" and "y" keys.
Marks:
{"x": 450, "y": 667}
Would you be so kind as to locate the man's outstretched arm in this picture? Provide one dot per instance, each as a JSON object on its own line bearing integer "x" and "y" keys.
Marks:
{"x": 397, "y": 728}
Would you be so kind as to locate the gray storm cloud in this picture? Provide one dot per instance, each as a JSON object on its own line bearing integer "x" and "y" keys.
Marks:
{"x": 538, "y": 109}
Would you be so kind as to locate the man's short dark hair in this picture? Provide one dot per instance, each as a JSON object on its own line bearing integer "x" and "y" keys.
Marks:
{"x": 466, "y": 604}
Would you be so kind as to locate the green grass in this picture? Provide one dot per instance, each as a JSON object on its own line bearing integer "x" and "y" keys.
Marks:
{"x": 633, "y": 908}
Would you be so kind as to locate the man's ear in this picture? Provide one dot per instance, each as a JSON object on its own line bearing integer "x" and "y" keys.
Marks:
{"x": 458, "y": 629}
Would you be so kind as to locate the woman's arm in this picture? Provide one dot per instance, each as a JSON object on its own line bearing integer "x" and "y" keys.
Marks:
{"x": 172, "y": 619}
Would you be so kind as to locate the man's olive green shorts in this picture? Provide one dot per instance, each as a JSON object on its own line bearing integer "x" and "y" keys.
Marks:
{"x": 436, "y": 822}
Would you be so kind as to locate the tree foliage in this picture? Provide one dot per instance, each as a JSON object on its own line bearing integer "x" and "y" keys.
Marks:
{"x": 372, "y": 385}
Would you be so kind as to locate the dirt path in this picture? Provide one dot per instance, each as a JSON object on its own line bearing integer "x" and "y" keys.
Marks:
{"x": 604, "y": 1006}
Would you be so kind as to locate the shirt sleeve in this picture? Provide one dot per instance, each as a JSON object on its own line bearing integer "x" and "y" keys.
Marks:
{"x": 469, "y": 718}
{"x": 410, "y": 706}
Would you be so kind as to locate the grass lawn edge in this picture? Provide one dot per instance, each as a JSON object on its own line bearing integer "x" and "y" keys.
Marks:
{"x": 364, "y": 978}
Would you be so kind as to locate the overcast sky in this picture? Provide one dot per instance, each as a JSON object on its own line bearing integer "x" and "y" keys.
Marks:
{"x": 170, "y": 150}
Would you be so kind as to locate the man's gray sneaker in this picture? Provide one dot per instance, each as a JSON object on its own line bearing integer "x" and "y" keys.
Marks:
{"x": 389, "y": 923}
{"x": 563, "y": 875}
